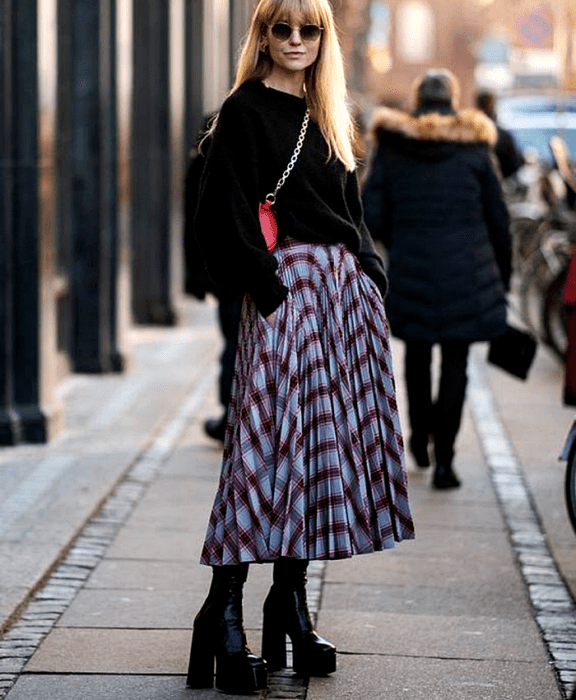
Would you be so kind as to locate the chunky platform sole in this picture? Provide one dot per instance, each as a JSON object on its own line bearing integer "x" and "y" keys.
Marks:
{"x": 237, "y": 674}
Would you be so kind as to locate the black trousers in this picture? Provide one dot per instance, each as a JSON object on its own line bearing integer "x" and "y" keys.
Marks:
{"x": 443, "y": 417}
{"x": 229, "y": 313}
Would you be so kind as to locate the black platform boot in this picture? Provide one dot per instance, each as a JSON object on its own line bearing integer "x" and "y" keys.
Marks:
{"x": 286, "y": 613}
{"x": 219, "y": 635}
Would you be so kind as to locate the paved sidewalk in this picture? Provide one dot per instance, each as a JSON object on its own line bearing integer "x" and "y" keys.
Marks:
{"x": 47, "y": 492}
{"x": 446, "y": 617}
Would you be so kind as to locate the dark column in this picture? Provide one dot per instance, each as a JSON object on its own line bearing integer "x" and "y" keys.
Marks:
{"x": 26, "y": 226}
{"x": 10, "y": 429}
{"x": 150, "y": 172}
{"x": 194, "y": 48}
{"x": 92, "y": 157}
{"x": 26, "y": 221}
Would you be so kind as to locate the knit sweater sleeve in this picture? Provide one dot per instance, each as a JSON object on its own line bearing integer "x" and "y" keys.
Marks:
{"x": 368, "y": 256}
{"x": 226, "y": 223}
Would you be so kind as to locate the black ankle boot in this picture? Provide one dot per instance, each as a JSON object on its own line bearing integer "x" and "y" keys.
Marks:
{"x": 216, "y": 427}
{"x": 445, "y": 477}
{"x": 219, "y": 635}
{"x": 286, "y": 613}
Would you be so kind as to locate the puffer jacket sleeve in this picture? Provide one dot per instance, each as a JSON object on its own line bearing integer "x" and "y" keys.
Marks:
{"x": 226, "y": 224}
{"x": 368, "y": 256}
{"x": 497, "y": 219}
{"x": 377, "y": 207}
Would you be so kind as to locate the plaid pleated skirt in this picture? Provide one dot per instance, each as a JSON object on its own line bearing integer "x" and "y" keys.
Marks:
{"x": 313, "y": 464}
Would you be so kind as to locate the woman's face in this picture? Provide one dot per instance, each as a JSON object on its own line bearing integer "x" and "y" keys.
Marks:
{"x": 293, "y": 53}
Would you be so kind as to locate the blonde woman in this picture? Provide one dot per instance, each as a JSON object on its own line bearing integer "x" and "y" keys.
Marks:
{"x": 313, "y": 464}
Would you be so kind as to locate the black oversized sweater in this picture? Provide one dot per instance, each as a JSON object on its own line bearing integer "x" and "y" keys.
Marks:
{"x": 255, "y": 137}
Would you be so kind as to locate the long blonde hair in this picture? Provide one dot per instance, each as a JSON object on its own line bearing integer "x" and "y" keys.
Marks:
{"x": 325, "y": 83}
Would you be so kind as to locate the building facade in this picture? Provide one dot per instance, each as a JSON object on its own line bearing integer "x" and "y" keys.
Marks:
{"x": 389, "y": 43}
{"x": 102, "y": 100}
{"x": 540, "y": 37}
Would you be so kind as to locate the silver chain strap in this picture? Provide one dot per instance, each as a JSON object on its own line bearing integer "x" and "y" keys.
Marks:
{"x": 272, "y": 196}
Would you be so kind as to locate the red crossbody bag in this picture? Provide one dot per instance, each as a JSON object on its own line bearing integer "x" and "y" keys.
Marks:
{"x": 266, "y": 213}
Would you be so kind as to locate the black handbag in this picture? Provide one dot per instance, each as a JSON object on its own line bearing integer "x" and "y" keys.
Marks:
{"x": 513, "y": 352}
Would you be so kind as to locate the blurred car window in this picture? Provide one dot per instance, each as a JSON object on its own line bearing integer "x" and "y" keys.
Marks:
{"x": 537, "y": 103}
{"x": 534, "y": 119}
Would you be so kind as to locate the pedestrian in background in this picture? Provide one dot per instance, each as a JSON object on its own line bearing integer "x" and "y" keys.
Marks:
{"x": 198, "y": 283}
{"x": 510, "y": 158}
{"x": 433, "y": 198}
{"x": 313, "y": 464}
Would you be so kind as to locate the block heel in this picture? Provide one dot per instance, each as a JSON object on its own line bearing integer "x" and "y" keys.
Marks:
{"x": 201, "y": 664}
{"x": 273, "y": 638}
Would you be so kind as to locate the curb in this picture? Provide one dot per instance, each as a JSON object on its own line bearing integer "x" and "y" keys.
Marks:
{"x": 552, "y": 605}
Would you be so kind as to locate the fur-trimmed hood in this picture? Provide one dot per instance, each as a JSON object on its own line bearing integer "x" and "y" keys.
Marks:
{"x": 466, "y": 126}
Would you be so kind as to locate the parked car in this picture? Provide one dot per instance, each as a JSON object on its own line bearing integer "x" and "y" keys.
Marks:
{"x": 535, "y": 119}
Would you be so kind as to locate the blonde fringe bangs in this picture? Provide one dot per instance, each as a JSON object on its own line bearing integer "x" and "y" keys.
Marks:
{"x": 326, "y": 93}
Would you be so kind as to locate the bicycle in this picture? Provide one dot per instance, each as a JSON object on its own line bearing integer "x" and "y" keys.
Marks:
{"x": 569, "y": 456}
{"x": 543, "y": 251}
{"x": 542, "y": 277}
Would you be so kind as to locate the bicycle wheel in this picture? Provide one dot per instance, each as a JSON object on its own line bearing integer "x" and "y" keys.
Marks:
{"x": 533, "y": 278}
{"x": 570, "y": 488}
{"x": 553, "y": 315}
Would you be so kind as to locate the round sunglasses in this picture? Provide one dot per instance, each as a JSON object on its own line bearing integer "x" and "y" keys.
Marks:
{"x": 308, "y": 32}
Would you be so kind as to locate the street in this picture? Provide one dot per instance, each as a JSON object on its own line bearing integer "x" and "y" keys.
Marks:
{"x": 101, "y": 531}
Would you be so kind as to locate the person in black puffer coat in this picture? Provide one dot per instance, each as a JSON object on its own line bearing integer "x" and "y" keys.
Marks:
{"x": 433, "y": 198}
{"x": 509, "y": 155}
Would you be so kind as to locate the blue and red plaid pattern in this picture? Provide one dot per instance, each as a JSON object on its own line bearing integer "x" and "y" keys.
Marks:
{"x": 313, "y": 464}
